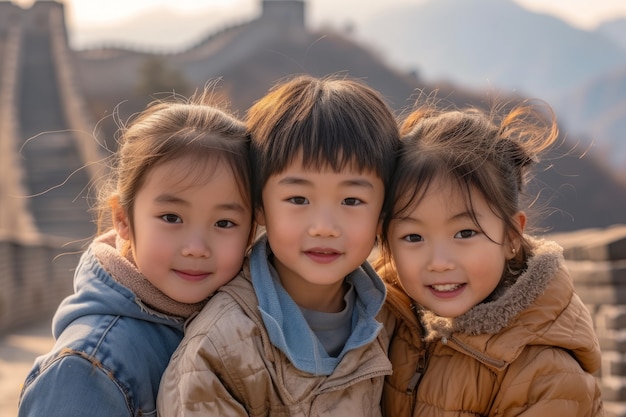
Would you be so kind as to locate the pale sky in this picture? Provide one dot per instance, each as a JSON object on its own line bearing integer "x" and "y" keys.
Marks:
{"x": 584, "y": 14}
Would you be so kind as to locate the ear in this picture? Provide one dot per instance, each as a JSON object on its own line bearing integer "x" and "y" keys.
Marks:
{"x": 519, "y": 220}
{"x": 259, "y": 216}
{"x": 120, "y": 218}
{"x": 379, "y": 227}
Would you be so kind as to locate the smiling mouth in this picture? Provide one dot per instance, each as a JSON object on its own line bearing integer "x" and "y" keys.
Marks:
{"x": 322, "y": 252}
{"x": 322, "y": 255}
{"x": 446, "y": 287}
{"x": 192, "y": 276}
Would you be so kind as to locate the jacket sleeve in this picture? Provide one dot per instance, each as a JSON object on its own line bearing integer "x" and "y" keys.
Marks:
{"x": 548, "y": 382}
{"x": 72, "y": 386}
{"x": 191, "y": 387}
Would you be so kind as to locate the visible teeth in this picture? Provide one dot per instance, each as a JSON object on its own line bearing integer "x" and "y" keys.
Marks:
{"x": 446, "y": 287}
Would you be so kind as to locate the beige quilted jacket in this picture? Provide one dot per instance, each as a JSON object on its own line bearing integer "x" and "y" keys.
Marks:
{"x": 217, "y": 372}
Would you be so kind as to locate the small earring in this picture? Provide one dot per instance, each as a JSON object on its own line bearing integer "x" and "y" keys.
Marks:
{"x": 513, "y": 251}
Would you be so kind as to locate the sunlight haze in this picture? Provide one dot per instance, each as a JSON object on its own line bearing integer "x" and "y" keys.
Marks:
{"x": 584, "y": 14}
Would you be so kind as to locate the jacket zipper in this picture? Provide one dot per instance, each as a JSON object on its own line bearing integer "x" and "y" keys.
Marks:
{"x": 419, "y": 372}
{"x": 421, "y": 361}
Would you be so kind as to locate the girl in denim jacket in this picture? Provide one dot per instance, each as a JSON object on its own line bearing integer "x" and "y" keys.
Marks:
{"x": 181, "y": 216}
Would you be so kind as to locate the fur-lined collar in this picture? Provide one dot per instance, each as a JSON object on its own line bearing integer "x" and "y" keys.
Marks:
{"x": 108, "y": 249}
{"x": 492, "y": 316}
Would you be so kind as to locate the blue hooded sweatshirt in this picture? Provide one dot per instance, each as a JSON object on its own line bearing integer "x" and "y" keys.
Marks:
{"x": 110, "y": 352}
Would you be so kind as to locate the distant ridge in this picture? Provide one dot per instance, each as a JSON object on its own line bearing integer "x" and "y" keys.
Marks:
{"x": 498, "y": 44}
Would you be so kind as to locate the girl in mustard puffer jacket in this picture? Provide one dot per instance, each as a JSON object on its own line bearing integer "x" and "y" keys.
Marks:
{"x": 490, "y": 323}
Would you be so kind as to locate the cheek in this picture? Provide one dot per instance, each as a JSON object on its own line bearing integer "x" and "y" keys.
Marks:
{"x": 494, "y": 269}
{"x": 405, "y": 266}
{"x": 232, "y": 254}
{"x": 406, "y": 274}
{"x": 284, "y": 228}
{"x": 153, "y": 249}
{"x": 410, "y": 282}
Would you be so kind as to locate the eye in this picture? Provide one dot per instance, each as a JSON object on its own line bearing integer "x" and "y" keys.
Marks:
{"x": 412, "y": 238}
{"x": 298, "y": 200}
{"x": 224, "y": 224}
{"x": 171, "y": 218}
{"x": 464, "y": 234}
{"x": 352, "y": 201}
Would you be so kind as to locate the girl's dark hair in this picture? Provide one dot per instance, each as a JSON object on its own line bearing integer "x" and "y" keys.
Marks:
{"x": 328, "y": 122}
{"x": 194, "y": 129}
{"x": 475, "y": 150}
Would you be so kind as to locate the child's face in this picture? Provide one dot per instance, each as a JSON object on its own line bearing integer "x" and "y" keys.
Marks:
{"x": 444, "y": 261}
{"x": 320, "y": 226}
{"x": 189, "y": 237}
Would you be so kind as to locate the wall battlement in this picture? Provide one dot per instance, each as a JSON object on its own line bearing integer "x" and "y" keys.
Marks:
{"x": 596, "y": 259}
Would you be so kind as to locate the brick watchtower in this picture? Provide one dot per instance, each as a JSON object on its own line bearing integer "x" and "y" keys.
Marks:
{"x": 289, "y": 12}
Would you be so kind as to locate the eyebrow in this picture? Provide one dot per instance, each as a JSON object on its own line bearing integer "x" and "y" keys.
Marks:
{"x": 172, "y": 199}
{"x": 232, "y": 207}
{"x": 461, "y": 215}
{"x": 358, "y": 182}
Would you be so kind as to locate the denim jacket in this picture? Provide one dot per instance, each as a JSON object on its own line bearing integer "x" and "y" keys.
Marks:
{"x": 109, "y": 356}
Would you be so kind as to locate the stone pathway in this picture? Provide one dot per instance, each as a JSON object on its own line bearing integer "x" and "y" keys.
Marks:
{"x": 18, "y": 350}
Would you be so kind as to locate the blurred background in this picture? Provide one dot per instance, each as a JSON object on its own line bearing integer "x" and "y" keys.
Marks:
{"x": 71, "y": 70}
{"x": 116, "y": 56}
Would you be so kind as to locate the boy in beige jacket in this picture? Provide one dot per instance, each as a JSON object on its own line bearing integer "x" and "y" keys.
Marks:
{"x": 297, "y": 332}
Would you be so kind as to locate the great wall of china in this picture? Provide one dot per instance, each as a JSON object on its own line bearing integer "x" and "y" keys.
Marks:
{"x": 43, "y": 228}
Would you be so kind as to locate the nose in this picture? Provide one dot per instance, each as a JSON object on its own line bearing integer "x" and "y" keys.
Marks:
{"x": 324, "y": 223}
{"x": 196, "y": 245}
{"x": 441, "y": 258}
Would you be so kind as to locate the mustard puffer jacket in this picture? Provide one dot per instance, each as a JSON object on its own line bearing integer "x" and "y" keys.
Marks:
{"x": 530, "y": 352}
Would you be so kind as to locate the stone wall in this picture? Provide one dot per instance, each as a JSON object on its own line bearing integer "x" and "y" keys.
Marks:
{"x": 14, "y": 216}
{"x": 74, "y": 106}
{"x": 597, "y": 260}
{"x": 35, "y": 275}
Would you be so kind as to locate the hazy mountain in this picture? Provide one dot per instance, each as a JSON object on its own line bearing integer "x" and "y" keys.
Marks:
{"x": 498, "y": 44}
{"x": 597, "y": 109}
{"x": 615, "y": 30}
{"x": 481, "y": 43}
